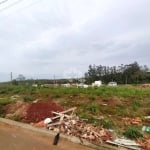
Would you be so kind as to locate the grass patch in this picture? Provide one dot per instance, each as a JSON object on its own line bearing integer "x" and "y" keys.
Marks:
{"x": 5, "y": 101}
{"x": 132, "y": 133}
{"x": 28, "y": 99}
{"x": 135, "y": 105}
{"x": 93, "y": 108}
{"x": 107, "y": 123}
{"x": 16, "y": 118}
{"x": 92, "y": 98}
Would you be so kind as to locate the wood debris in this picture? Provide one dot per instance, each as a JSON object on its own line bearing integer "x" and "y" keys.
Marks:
{"x": 145, "y": 142}
{"x": 125, "y": 143}
{"x": 68, "y": 123}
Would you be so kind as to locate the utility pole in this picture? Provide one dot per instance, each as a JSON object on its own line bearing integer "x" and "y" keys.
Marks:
{"x": 11, "y": 76}
{"x": 54, "y": 79}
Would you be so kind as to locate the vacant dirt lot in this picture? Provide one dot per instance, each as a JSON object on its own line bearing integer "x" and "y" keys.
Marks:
{"x": 13, "y": 138}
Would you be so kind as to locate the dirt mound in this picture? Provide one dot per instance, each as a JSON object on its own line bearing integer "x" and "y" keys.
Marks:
{"x": 17, "y": 109}
{"x": 39, "y": 111}
{"x": 114, "y": 102}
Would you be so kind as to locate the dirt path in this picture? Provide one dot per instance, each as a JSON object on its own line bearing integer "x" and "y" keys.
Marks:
{"x": 12, "y": 138}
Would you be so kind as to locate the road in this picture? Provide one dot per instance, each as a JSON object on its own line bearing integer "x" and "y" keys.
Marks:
{"x": 12, "y": 138}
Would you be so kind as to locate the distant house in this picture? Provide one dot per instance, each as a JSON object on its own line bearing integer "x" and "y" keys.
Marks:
{"x": 112, "y": 84}
{"x": 47, "y": 85}
{"x": 97, "y": 83}
{"x": 34, "y": 85}
{"x": 82, "y": 85}
{"x": 66, "y": 85}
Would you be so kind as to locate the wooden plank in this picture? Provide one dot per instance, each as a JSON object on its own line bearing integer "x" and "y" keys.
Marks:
{"x": 129, "y": 147}
{"x": 63, "y": 112}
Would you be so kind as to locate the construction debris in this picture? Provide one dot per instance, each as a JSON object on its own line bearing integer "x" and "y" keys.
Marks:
{"x": 145, "y": 143}
{"x": 68, "y": 123}
{"x": 133, "y": 121}
{"x": 146, "y": 129}
{"x": 125, "y": 143}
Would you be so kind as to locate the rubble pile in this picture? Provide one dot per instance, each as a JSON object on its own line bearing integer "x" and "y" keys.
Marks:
{"x": 145, "y": 142}
{"x": 72, "y": 125}
{"x": 133, "y": 121}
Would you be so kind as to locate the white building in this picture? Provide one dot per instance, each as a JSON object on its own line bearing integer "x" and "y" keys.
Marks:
{"x": 81, "y": 85}
{"x": 66, "y": 85}
{"x": 112, "y": 84}
{"x": 97, "y": 83}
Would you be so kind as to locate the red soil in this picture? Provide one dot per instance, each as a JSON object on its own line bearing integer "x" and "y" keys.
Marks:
{"x": 39, "y": 111}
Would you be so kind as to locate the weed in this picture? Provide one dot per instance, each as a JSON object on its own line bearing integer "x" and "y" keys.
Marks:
{"x": 93, "y": 108}
{"x": 107, "y": 123}
{"x": 92, "y": 98}
{"x": 132, "y": 133}
{"x": 89, "y": 118}
{"x": 16, "y": 118}
{"x": 27, "y": 99}
{"x": 5, "y": 101}
{"x": 57, "y": 96}
{"x": 2, "y": 111}
{"x": 135, "y": 105}
{"x": 121, "y": 110}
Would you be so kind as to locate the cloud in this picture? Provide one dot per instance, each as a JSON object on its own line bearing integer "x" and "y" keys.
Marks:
{"x": 52, "y": 37}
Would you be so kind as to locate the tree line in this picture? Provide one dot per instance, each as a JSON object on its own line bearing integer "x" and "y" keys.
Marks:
{"x": 124, "y": 74}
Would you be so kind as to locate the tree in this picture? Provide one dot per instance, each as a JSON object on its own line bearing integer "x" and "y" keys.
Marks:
{"x": 123, "y": 74}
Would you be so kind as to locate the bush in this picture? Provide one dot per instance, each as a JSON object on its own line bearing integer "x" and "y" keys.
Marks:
{"x": 132, "y": 133}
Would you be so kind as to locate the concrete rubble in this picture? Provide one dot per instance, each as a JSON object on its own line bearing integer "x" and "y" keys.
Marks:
{"x": 68, "y": 123}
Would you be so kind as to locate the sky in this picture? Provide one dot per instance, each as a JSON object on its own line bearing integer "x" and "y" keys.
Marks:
{"x": 61, "y": 38}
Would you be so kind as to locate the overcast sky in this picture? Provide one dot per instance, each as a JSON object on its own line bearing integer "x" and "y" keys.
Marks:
{"x": 63, "y": 37}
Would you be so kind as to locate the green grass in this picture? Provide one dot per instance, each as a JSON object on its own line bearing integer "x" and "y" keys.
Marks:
{"x": 93, "y": 108}
{"x": 28, "y": 99}
{"x": 104, "y": 91}
{"x": 133, "y": 133}
{"x": 4, "y": 101}
{"x": 131, "y": 101}
{"x": 107, "y": 123}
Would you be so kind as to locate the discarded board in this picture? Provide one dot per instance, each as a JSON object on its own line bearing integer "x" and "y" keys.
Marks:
{"x": 122, "y": 145}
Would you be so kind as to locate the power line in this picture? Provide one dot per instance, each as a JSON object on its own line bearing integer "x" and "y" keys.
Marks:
{"x": 2, "y": 2}
{"x": 32, "y": 4}
{"x": 11, "y": 5}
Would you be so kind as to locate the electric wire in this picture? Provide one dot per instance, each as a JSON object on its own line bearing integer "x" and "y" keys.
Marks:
{"x": 11, "y": 5}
